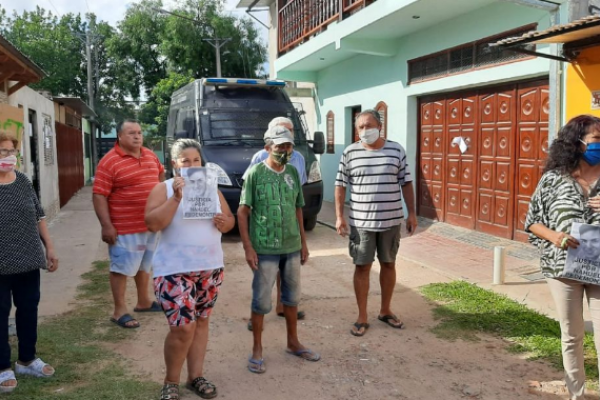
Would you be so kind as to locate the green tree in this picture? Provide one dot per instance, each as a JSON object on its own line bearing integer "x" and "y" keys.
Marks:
{"x": 156, "y": 110}
{"x": 52, "y": 43}
{"x": 165, "y": 51}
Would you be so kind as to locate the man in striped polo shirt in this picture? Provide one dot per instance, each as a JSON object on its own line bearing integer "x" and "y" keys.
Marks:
{"x": 376, "y": 171}
{"x": 124, "y": 178}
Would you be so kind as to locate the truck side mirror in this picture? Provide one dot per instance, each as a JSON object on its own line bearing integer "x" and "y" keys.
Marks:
{"x": 318, "y": 143}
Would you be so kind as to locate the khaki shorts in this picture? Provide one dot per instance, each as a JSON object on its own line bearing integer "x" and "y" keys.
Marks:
{"x": 363, "y": 245}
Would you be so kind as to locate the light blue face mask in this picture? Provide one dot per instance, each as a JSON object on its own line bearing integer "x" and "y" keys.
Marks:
{"x": 592, "y": 153}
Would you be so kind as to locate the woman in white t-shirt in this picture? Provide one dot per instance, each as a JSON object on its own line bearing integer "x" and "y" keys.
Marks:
{"x": 188, "y": 272}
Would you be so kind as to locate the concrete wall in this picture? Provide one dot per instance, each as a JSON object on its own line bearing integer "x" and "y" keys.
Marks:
{"x": 583, "y": 78}
{"x": 29, "y": 99}
{"x": 366, "y": 80}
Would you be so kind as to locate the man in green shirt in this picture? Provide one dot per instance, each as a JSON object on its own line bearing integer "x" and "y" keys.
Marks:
{"x": 275, "y": 240}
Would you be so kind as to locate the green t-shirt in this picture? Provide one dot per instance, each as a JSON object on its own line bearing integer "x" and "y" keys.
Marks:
{"x": 273, "y": 198}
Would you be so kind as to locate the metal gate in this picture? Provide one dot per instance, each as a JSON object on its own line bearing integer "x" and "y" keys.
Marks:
{"x": 69, "y": 148}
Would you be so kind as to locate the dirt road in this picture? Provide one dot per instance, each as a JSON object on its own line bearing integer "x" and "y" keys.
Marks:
{"x": 384, "y": 364}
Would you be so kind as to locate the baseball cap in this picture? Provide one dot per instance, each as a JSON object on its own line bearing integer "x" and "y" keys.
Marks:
{"x": 279, "y": 135}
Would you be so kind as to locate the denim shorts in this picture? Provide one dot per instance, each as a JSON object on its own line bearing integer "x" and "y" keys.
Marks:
{"x": 264, "y": 278}
{"x": 363, "y": 245}
{"x": 132, "y": 253}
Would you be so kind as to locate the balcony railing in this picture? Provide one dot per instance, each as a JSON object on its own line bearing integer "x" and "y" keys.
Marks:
{"x": 299, "y": 20}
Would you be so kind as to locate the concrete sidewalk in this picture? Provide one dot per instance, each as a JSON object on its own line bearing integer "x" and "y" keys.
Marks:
{"x": 76, "y": 236}
{"x": 462, "y": 254}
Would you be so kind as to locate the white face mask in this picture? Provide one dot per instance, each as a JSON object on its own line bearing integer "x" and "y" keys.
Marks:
{"x": 369, "y": 136}
{"x": 7, "y": 164}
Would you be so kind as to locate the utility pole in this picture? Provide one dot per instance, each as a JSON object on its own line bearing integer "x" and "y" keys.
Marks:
{"x": 217, "y": 43}
{"x": 90, "y": 39}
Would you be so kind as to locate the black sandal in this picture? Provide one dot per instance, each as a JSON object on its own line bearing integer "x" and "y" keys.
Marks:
{"x": 170, "y": 391}
{"x": 200, "y": 386}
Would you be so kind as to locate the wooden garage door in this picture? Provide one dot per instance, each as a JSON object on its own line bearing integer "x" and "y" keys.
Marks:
{"x": 488, "y": 186}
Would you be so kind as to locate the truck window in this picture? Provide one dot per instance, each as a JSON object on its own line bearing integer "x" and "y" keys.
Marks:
{"x": 240, "y": 124}
{"x": 185, "y": 127}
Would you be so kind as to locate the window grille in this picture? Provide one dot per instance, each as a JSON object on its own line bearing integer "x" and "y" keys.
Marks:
{"x": 467, "y": 57}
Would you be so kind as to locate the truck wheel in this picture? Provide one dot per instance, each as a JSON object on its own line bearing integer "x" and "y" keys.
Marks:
{"x": 310, "y": 223}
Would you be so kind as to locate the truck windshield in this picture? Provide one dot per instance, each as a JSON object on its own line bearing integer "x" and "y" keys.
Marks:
{"x": 246, "y": 125}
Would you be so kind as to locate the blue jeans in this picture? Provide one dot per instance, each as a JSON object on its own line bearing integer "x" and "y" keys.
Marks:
{"x": 264, "y": 278}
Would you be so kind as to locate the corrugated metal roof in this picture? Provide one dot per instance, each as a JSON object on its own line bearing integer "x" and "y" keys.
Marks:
{"x": 260, "y": 3}
{"x": 577, "y": 30}
{"x": 76, "y": 104}
{"x": 10, "y": 48}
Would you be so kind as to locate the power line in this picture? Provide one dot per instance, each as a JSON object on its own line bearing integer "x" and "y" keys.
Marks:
{"x": 55, "y": 9}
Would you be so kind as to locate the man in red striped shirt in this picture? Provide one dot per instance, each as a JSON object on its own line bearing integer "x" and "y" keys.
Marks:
{"x": 124, "y": 178}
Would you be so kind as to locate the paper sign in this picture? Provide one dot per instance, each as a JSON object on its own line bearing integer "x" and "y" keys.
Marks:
{"x": 583, "y": 263}
{"x": 200, "y": 194}
{"x": 460, "y": 142}
{"x": 596, "y": 100}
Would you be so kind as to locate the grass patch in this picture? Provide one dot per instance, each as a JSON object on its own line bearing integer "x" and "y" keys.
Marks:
{"x": 73, "y": 344}
{"x": 465, "y": 310}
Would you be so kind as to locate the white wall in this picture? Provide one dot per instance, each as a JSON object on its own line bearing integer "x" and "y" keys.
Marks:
{"x": 29, "y": 99}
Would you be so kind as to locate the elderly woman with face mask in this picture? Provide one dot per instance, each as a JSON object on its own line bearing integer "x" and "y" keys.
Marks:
{"x": 188, "y": 273}
{"x": 568, "y": 193}
{"x": 23, "y": 237}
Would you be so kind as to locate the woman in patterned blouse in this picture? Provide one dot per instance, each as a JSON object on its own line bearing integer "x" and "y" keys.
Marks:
{"x": 568, "y": 193}
{"x": 23, "y": 236}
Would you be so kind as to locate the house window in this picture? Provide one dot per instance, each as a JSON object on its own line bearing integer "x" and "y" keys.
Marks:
{"x": 330, "y": 133}
{"x": 48, "y": 140}
{"x": 382, "y": 108}
{"x": 467, "y": 57}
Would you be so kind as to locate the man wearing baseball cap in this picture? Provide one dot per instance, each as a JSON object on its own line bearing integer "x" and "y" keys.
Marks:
{"x": 274, "y": 240}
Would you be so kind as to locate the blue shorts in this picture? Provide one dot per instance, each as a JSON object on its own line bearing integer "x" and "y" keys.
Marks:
{"x": 264, "y": 278}
{"x": 132, "y": 253}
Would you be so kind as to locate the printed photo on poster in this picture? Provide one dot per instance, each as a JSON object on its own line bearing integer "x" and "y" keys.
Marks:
{"x": 583, "y": 263}
{"x": 200, "y": 194}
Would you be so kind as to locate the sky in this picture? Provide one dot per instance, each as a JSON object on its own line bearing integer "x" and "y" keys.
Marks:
{"x": 107, "y": 10}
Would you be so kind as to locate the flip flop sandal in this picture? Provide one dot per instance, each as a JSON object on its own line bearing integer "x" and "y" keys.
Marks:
{"x": 358, "y": 328}
{"x": 305, "y": 354}
{"x": 387, "y": 318}
{"x": 170, "y": 391}
{"x": 155, "y": 307}
{"x": 200, "y": 386}
{"x": 122, "y": 322}
{"x": 256, "y": 366}
{"x": 36, "y": 368}
{"x": 301, "y": 315}
{"x": 5, "y": 377}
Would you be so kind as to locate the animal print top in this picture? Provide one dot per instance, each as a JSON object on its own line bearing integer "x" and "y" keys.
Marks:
{"x": 557, "y": 202}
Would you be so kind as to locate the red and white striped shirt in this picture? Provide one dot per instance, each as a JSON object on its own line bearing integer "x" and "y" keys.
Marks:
{"x": 127, "y": 181}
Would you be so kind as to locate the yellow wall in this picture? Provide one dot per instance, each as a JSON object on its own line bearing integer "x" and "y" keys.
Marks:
{"x": 583, "y": 78}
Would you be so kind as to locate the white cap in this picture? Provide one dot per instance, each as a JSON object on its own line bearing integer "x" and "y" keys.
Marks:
{"x": 279, "y": 135}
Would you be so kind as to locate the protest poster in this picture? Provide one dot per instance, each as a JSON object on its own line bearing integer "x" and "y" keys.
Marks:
{"x": 583, "y": 263}
{"x": 200, "y": 194}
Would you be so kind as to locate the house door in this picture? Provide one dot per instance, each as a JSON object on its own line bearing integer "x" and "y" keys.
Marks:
{"x": 488, "y": 183}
